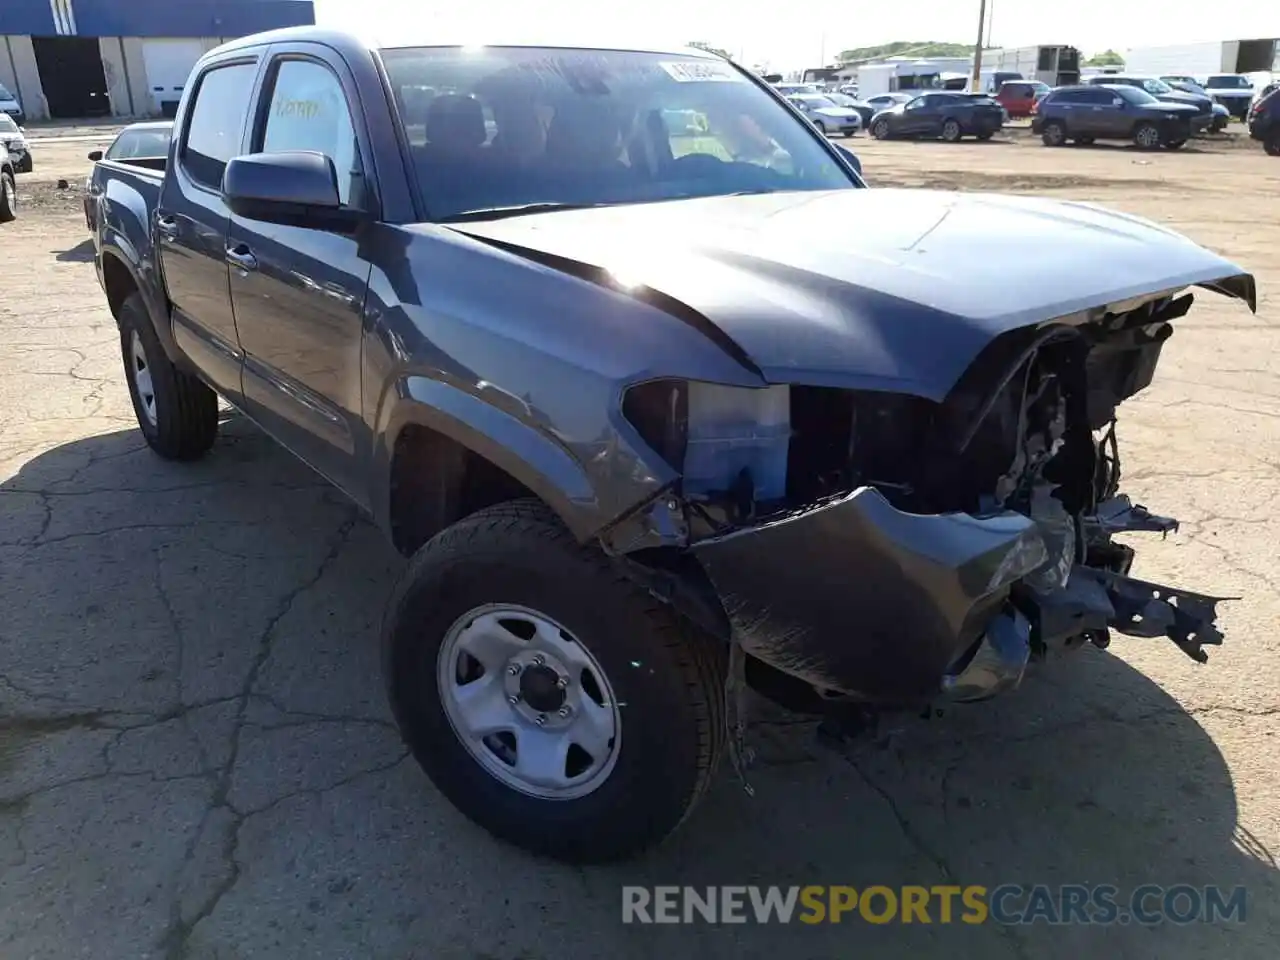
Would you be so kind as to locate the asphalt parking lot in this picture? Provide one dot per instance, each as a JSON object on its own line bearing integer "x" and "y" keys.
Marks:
{"x": 196, "y": 760}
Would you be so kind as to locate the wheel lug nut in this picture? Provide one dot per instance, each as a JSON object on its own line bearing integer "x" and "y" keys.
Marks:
{"x": 542, "y": 718}
{"x": 514, "y": 669}
{"x": 538, "y": 660}
{"x": 562, "y": 682}
{"x": 513, "y": 699}
{"x": 565, "y": 710}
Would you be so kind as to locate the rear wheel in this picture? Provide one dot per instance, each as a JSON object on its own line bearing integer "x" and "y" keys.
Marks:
{"x": 880, "y": 129}
{"x": 1085, "y": 141}
{"x": 178, "y": 414}
{"x": 1146, "y": 136}
{"x": 8, "y": 198}
{"x": 985, "y": 136}
{"x": 951, "y": 131}
{"x": 1054, "y": 134}
{"x": 1175, "y": 144}
{"x": 549, "y": 699}
{"x": 1272, "y": 146}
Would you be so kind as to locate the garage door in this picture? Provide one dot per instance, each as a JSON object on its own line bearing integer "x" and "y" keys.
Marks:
{"x": 168, "y": 62}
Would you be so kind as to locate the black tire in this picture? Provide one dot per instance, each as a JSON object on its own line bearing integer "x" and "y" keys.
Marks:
{"x": 1272, "y": 146}
{"x": 1146, "y": 136}
{"x": 1085, "y": 141}
{"x": 1053, "y": 134}
{"x": 673, "y": 734}
{"x": 1175, "y": 144}
{"x": 180, "y": 420}
{"x": 985, "y": 136}
{"x": 8, "y": 198}
{"x": 951, "y": 131}
{"x": 880, "y": 129}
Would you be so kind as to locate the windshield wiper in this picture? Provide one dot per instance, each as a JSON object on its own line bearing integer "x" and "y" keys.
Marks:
{"x": 518, "y": 210}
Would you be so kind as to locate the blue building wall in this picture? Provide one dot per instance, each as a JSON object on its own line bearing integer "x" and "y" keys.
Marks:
{"x": 151, "y": 18}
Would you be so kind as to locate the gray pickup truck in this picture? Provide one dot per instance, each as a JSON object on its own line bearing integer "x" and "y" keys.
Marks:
{"x": 657, "y": 415}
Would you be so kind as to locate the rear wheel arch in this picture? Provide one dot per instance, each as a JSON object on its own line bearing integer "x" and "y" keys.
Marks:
{"x": 118, "y": 281}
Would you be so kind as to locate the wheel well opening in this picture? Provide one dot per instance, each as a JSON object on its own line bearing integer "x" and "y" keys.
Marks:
{"x": 117, "y": 282}
{"x": 436, "y": 481}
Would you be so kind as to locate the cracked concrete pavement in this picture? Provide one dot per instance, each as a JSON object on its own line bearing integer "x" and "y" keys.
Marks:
{"x": 196, "y": 760}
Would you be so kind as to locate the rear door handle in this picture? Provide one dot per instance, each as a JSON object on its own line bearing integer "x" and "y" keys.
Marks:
{"x": 167, "y": 227}
{"x": 240, "y": 256}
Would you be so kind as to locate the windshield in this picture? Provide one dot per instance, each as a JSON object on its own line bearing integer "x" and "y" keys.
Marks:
{"x": 1230, "y": 82}
{"x": 1133, "y": 94}
{"x": 1153, "y": 85}
{"x": 815, "y": 101}
{"x": 503, "y": 127}
{"x": 132, "y": 144}
{"x": 6, "y": 124}
{"x": 4, "y": 93}
{"x": 841, "y": 100}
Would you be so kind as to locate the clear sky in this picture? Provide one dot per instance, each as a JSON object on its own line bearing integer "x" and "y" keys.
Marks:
{"x": 793, "y": 35}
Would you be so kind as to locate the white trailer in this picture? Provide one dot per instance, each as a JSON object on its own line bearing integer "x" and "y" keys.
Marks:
{"x": 1205, "y": 58}
{"x": 907, "y": 73}
{"x": 1054, "y": 65}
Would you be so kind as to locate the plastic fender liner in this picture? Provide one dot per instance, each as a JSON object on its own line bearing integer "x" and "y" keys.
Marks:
{"x": 858, "y": 597}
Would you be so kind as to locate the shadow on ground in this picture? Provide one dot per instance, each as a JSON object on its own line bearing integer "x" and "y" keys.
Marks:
{"x": 82, "y": 252}
{"x": 196, "y": 760}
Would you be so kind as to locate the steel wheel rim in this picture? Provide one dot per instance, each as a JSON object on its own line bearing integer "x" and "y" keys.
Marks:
{"x": 140, "y": 372}
{"x": 950, "y": 129}
{"x": 529, "y": 702}
{"x": 10, "y": 194}
{"x": 1148, "y": 137}
{"x": 1055, "y": 134}
{"x": 881, "y": 130}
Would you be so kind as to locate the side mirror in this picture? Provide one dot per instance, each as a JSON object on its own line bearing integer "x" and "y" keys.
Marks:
{"x": 851, "y": 157}
{"x": 297, "y": 187}
{"x": 95, "y": 155}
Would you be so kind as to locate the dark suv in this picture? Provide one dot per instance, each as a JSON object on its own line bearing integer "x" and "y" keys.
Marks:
{"x": 1203, "y": 103}
{"x": 1264, "y": 122}
{"x": 1089, "y": 113}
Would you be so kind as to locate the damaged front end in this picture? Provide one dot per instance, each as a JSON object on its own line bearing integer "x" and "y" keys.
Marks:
{"x": 888, "y": 549}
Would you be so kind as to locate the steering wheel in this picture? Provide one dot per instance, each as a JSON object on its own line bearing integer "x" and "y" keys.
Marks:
{"x": 695, "y": 165}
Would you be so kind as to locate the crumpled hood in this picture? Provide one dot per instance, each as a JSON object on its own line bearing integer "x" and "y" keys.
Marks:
{"x": 872, "y": 288}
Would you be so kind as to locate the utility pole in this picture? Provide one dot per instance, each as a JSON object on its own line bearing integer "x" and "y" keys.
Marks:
{"x": 976, "y": 83}
{"x": 991, "y": 22}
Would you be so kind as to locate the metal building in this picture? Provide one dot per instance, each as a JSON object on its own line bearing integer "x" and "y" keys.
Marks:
{"x": 65, "y": 59}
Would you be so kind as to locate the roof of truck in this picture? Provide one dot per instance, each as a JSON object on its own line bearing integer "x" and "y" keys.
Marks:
{"x": 584, "y": 39}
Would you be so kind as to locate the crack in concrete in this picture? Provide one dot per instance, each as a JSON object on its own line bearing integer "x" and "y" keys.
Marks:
{"x": 174, "y": 940}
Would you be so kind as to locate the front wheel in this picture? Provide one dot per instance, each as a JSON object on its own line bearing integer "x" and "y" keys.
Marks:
{"x": 880, "y": 129}
{"x": 551, "y": 700}
{"x": 1085, "y": 141}
{"x": 177, "y": 414}
{"x": 8, "y": 198}
{"x": 1146, "y": 136}
{"x": 951, "y": 131}
{"x": 1272, "y": 146}
{"x": 1175, "y": 144}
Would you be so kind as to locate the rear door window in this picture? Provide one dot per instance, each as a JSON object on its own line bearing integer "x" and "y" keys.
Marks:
{"x": 216, "y": 121}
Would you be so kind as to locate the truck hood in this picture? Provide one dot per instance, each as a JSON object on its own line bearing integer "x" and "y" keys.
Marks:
{"x": 880, "y": 289}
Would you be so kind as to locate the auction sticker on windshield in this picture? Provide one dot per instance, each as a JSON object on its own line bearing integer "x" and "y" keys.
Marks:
{"x": 693, "y": 71}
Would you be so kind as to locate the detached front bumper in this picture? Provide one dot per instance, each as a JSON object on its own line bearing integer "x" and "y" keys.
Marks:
{"x": 860, "y": 599}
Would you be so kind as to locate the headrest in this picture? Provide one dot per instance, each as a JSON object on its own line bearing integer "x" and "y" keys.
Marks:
{"x": 455, "y": 120}
{"x": 584, "y": 132}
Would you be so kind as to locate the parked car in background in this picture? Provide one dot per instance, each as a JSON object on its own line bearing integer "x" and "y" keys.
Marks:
{"x": 1092, "y": 112}
{"x": 883, "y": 101}
{"x": 1233, "y": 90}
{"x": 15, "y": 141}
{"x": 950, "y": 116}
{"x": 8, "y": 187}
{"x": 824, "y": 114}
{"x": 1264, "y": 122}
{"x": 865, "y": 110}
{"x": 138, "y": 141}
{"x": 1157, "y": 88}
{"x": 1018, "y": 97}
{"x": 1221, "y": 115}
{"x": 9, "y": 105}
{"x": 1264, "y": 92}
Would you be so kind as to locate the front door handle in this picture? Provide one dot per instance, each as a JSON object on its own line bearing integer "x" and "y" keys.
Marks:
{"x": 240, "y": 256}
{"x": 167, "y": 227}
